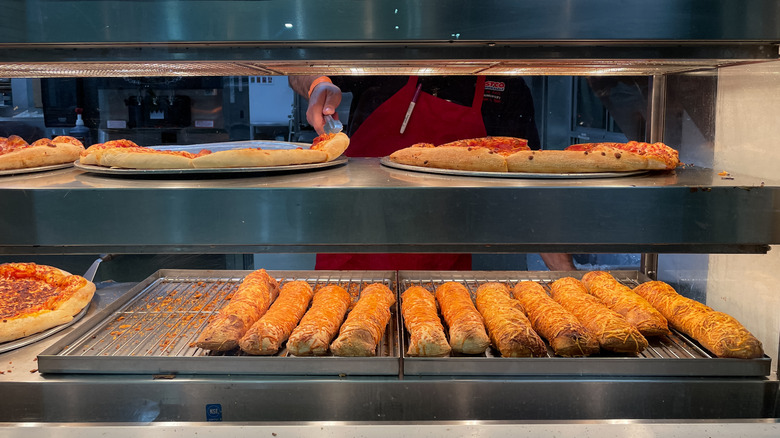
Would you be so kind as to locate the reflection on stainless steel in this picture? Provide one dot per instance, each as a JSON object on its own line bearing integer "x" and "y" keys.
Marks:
{"x": 316, "y": 212}
{"x": 154, "y": 330}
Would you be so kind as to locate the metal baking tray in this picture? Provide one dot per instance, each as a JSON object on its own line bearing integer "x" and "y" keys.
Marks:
{"x": 675, "y": 355}
{"x": 385, "y": 161}
{"x": 152, "y": 329}
{"x": 254, "y": 171}
{"x": 35, "y": 169}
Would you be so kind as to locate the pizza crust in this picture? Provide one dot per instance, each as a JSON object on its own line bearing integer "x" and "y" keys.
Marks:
{"x": 554, "y": 161}
{"x": 604, "y": 158}
{"x": 451, "y": 157}
{"x": 126, "y": 154}
{"x": 26, "y": 325}
{"x": 333, "y": 147}
{"x": 259, "y": 158}
{"x": 135, "y": 159}
{"x": 36, "y": 156}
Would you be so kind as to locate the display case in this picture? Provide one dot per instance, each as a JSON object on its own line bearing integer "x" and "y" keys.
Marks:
{"x": 711, "y": 226}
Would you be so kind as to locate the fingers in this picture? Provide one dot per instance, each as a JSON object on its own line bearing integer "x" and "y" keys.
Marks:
{"x": 324, "y": 100}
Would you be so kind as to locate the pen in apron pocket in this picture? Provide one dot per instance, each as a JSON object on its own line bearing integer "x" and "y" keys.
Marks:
{"x": 411, "y": 108}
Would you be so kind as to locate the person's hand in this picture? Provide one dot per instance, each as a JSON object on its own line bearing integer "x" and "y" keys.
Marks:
{"x": 324, "y": 100}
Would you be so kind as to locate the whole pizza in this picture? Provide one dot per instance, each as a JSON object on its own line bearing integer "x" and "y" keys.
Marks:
{"x": 508, "y": 154}
{"x": 128, "y": 155}
{"x": 34, "y": 298}
{"x": 16, "y": 153}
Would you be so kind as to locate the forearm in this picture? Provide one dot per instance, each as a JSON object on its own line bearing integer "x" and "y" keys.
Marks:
{"x": 558, "y": 261}
{"x": 301, "y": 84}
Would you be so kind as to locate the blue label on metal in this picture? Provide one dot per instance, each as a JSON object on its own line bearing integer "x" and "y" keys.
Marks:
{"x": 214, "y": 412}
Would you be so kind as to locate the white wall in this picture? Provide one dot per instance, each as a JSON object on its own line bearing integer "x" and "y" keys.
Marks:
{"x": 746, "y": 143}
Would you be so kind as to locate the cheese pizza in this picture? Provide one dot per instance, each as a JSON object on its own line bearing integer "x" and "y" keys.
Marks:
{"x": 16, "y": 153}
{"x": 487, "y": 154}
{"x": 34, "y": 298}
{"x": 507, "y": 154}
{"x": 128, "y": 155}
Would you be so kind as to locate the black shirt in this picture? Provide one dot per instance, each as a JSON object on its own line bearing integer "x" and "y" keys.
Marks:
{"x": 507, "y": 105}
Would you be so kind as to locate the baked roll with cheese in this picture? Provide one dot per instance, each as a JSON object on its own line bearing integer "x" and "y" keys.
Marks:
{"x": 466, "y": 325}
{"x": 718, "y": 332}
{"x": 626, "y": 302}
{"x": 366, "y": 323}
{"x": 611, "y": 330}
{"x": 510, "y": 330}
{"x": 321, "y": 322}
{"x": 248, "y": 304}
{"x": 421, "y": 319}
{"x": 266, "y": 336}
{"x": 566, "y": 335}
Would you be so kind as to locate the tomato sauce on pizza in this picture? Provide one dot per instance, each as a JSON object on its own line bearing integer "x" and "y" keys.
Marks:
{"x": 321, "y": 138}
{"x": 658, "y": 150}
{"x": 499, "y": 145}
{"x": 12, "y": 143}
{"x": 28, "y": 288}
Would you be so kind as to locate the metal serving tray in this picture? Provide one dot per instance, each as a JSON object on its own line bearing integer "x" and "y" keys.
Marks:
{"x": 152, "y": 330}
{"x": 385, "y": 161}
{"x": 675, "y": 355}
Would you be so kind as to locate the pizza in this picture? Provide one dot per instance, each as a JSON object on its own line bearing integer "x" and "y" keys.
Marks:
{"x": 507, "y": 154}
{"x": 34, "y": 298}
{"x": 128, "y": 155}
{"x": 16, "y": 153}
{"x": 487, "y": 154}
{"x": 660, "y": 155}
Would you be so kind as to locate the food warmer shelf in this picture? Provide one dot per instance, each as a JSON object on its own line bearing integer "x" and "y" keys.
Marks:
{"x": 32, "y": 396}
{"x": 153, "y": 329}
{"x": 366, "y": 207}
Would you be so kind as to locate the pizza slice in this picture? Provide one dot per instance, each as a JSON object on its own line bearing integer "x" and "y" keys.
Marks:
{"x": 504, "y": 154}
{"x": 34, "y": 298}
{"x": 332, "y": 144}
{"x": 127, "y": 154}
{"x": 324, "y": 148}
{"x": 16, "y": 153}
{"x": 659, "y": 155}
{"x": 485, "y": 154}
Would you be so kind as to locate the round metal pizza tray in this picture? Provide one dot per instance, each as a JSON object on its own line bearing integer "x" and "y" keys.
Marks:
{"x": 18, "y": 343}
{"x": 211, "y": 171}
{"x": 35, "y": 169}
{"x": 386, "y": 162}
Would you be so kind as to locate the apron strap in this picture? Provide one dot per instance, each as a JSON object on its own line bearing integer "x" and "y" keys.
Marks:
{"x": 479, "y": 92}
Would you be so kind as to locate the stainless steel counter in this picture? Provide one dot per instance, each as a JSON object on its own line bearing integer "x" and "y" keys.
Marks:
{"x": 485, "y": 429}
{"x": 364, "y": 206}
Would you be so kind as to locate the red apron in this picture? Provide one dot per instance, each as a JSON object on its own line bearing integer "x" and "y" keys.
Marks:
{"x": 434, "y": 121}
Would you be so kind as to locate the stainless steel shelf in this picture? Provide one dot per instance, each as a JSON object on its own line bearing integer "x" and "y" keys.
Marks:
{"x": 365, "y": 207}
{"x": 390, "y": 37}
